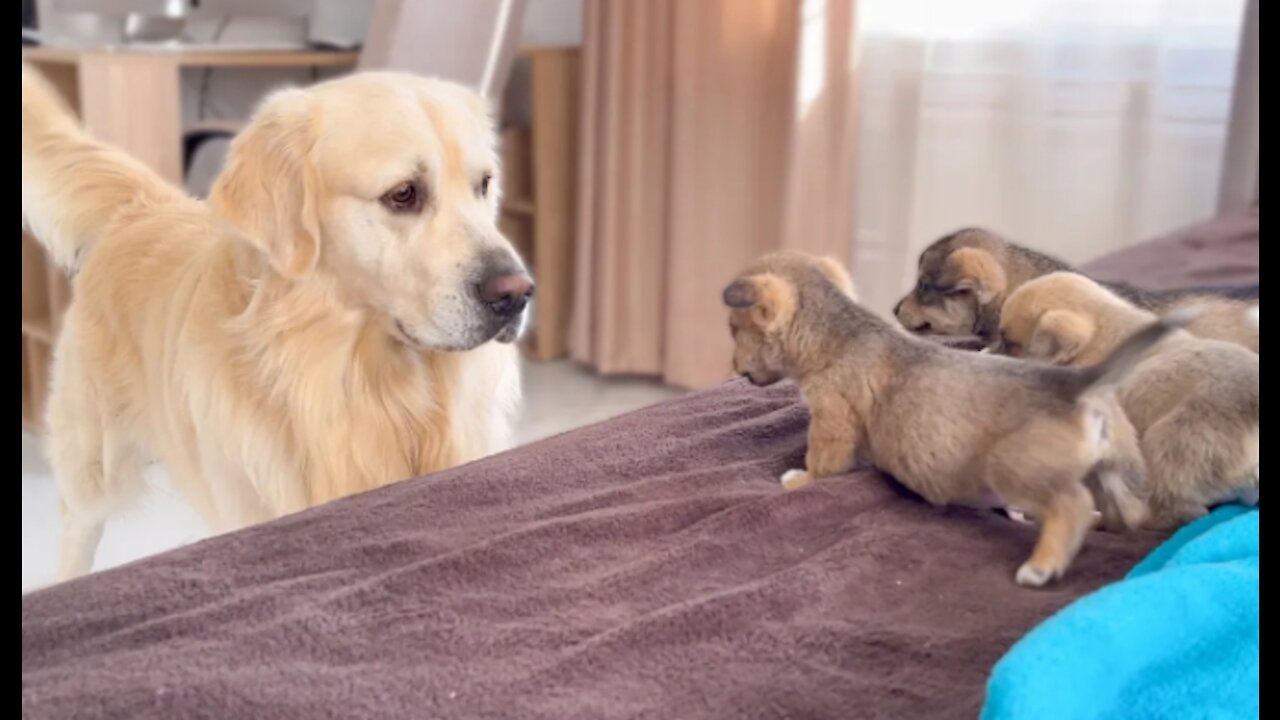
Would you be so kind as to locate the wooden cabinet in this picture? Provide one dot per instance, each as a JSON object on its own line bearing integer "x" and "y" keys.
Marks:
{"x": 540, "y": 164}
{"x": 45, "y": 295}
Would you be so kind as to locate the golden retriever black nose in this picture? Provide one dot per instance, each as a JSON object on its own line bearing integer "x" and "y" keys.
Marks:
{"x": 507, "y": 293}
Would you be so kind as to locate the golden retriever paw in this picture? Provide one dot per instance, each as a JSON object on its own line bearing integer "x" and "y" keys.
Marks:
{"x": 1031, "y": 576}
{"x": 795, "y": 479}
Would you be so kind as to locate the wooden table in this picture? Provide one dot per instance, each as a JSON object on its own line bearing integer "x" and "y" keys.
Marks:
{"x": 132, "y": 98}
{"x": 129, "y": 96}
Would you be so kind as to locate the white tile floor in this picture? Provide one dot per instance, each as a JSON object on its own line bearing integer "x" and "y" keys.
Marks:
{"x": 559, "y": 396}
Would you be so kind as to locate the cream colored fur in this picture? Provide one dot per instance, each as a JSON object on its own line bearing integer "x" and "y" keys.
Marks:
{"x": 294, "y": 352}
{"x": 1193, "y": 401}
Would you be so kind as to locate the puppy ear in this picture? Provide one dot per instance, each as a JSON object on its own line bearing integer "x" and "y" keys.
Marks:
{"x": 741, "y": 293}
{"x": 836, "y": 273}
{"x": 1060, "y": 336}
{"x": 771, "y": 299}
{"x": 269, "y": 189}
{"x": 978, "y": 271}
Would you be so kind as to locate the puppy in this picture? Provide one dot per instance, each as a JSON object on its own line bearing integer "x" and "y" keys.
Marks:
{"x": 325, "y": 331}
{"x": 954, "y": 426}
{"x": 1193, "y": 401}
{"x": 965, "y": 277}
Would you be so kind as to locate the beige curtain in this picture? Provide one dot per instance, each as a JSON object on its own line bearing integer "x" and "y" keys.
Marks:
{"x": 1077, "y": 127}
{"x": 713, "y": 131}
{"x": 1239, "y": 185}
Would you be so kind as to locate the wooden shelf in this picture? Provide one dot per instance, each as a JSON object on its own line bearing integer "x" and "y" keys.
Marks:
{"x": 215, "y": 125}
{"x": 38, "y": 329}
{"x": 35, "y": 382}
{"x": 540, "y": 165}
{"x": 196, "y": 56}
{"x": 46, "y": 292}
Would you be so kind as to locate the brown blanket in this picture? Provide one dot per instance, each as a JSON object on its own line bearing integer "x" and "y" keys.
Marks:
{"x": 649, "y": 566}
{"x": 1221, "y": 251}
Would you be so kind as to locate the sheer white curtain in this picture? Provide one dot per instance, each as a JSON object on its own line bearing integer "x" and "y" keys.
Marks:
{"x": 1073, "y": 126}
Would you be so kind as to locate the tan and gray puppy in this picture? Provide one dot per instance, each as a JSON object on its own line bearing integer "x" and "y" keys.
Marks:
{"x": 956, "y": 427}
{"x": 1193, "y": 401}
{"x": 965, "y": 277}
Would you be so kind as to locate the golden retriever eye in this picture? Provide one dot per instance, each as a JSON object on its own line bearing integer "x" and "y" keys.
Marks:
{"x": 484, "y": 184}
{"x": 405, "y": 197}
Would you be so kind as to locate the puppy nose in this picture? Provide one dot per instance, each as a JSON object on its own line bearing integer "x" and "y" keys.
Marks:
{"x": 507, "y": 293}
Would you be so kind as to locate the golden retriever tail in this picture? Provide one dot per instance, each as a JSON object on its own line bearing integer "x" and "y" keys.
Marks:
{"x": 75, "y": 187}
{"x": 1128, "y": 354}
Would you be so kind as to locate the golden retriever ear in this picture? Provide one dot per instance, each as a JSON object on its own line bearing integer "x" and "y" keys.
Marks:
{"x": 978, "y": 271}
{"x": 836, "y": 273}
{"x": 771, "y": 299}
{"x": 1060, "y": 336}
{"x": 269, "y": 188}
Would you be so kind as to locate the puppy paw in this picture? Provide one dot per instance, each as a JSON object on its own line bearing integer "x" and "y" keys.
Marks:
{"x": 1031, "y": 576}
{"x": 1018, "y": 516}
{"x": 795, "y": 479}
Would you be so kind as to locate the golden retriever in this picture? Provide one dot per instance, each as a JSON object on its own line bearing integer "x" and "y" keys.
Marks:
{"x": 324, "y": 328}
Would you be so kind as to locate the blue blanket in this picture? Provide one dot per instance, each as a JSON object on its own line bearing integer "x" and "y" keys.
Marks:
{"x": 1177, "y": 638}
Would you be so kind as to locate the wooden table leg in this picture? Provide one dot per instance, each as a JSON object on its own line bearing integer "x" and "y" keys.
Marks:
{"x": 135, "y": 103}
{"x": 554, "y": 76}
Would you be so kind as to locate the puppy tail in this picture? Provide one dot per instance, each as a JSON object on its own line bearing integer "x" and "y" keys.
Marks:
{"x": 1129, "y": 353}
{"x": 74, "y": 187}
{"x": 1119, "y": 492}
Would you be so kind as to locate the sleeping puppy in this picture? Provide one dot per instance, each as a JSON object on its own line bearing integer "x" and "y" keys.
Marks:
{"x": 339, "y": 316}
{"x": 956, "y": 427}
{"x": 1193, "y": 401}
{"x": 965, "y": 277}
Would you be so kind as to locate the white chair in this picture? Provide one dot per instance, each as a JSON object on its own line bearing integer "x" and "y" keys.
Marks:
{"x": 472, "y": 42}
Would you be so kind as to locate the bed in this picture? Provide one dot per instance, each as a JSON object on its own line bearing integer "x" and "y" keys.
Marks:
{"x": 649, "y": 566}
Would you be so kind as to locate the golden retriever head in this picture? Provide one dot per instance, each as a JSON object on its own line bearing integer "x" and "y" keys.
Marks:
{"x": 384, "y": 186}
{"x": 959, "y": 276}
{"x": 763, "y": 303}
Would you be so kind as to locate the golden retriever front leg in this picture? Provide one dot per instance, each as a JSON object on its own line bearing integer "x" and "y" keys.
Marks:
{"x": 833, "y": 443}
